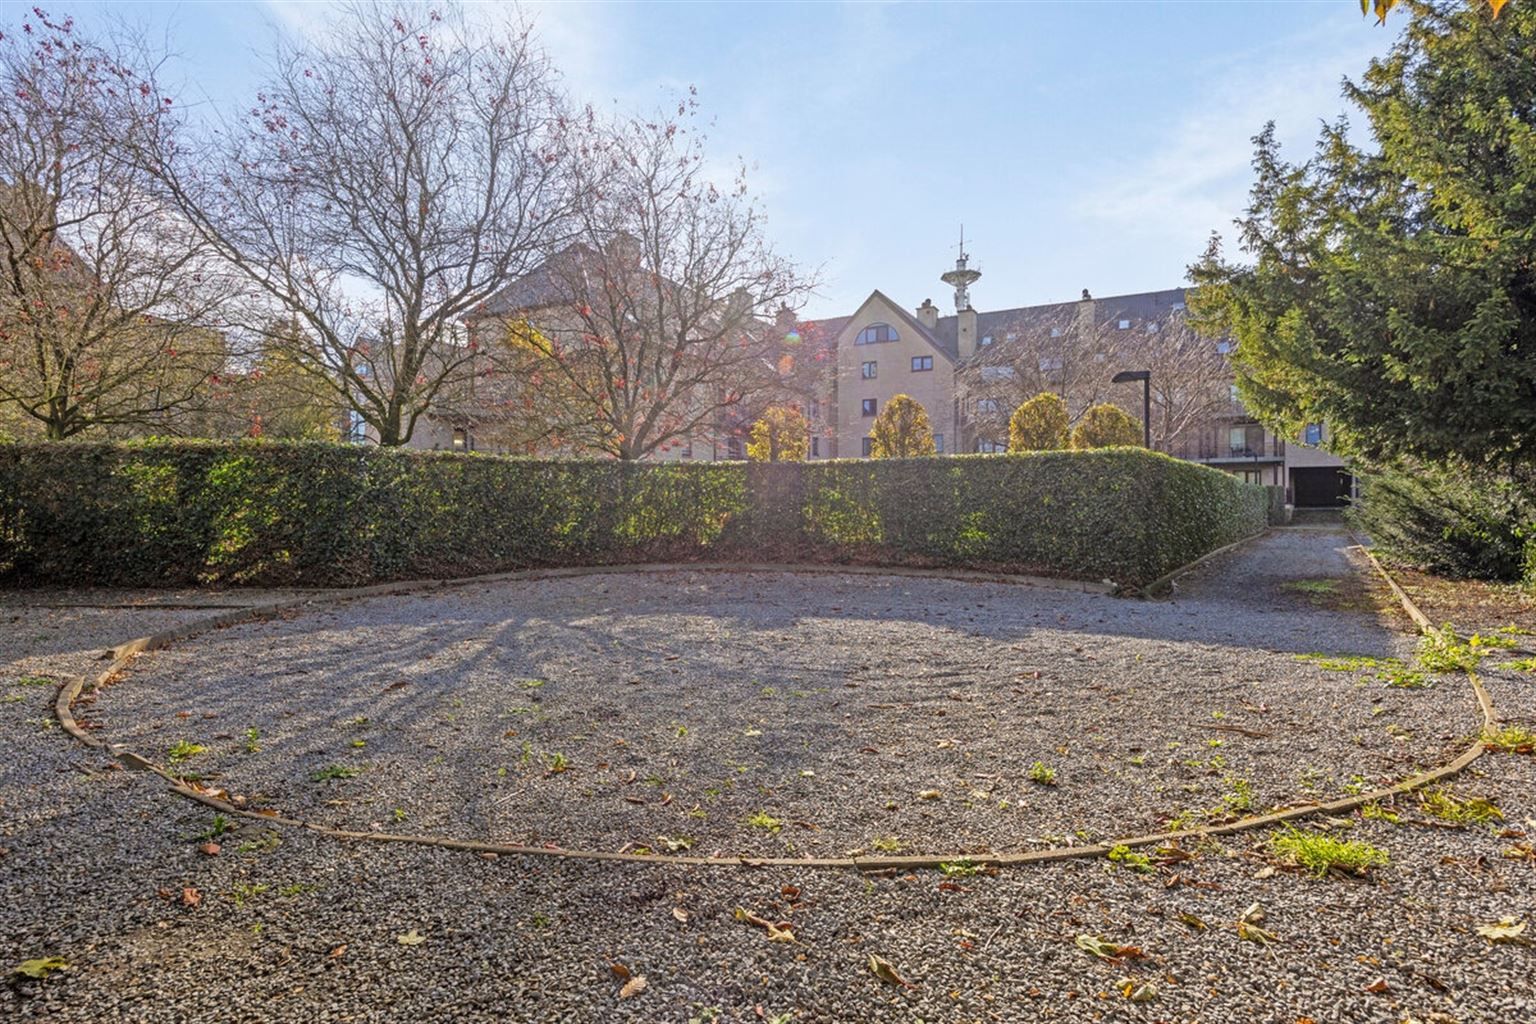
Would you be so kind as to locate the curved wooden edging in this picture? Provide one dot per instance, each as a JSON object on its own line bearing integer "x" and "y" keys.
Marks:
{"x": 124, "y": 654}
{"x": 1167, "y": 578}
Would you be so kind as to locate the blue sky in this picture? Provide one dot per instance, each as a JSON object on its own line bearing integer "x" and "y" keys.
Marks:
{"x": 1082, "y": 144}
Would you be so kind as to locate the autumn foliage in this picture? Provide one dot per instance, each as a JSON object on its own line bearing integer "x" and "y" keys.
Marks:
{"x": 1039, "y": 425}
{"x": 901, "y": 430}
{"x": 781, "y": 435}
{"x": 1106, "y": 426}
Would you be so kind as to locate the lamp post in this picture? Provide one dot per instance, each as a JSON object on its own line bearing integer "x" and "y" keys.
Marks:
{"x": 1145, "y": 376}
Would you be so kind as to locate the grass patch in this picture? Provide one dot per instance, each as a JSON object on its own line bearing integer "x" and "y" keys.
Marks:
{"x": 1442, "y": 650}
{"x": 1520, "y": 665}
{"x": 335, "y": 771}
{"x": 886, "y": 844}
{"x": 959, "y": 869}
{"x": 1376, "y": 812}
{"x": 1042, "y": 773}
{"x": 183, "y": 750}
{"x": 1349, "y": 662}
{"x": 1403, "y": 678}
{"x": 1473, "y": 810}
{"x": 1125, "y": 857}
{"x": 1325, "y": 586}
{"x": 764, "y": 821}
{"x": 1512, "y": 739}
{"x": 34, "y": 681}
{"x": 1320, "y": 854}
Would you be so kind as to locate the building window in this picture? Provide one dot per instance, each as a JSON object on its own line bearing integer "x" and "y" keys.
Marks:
{"x": 987, "y": 406}
{"x": 874, "y": 334}
{"x": 869, "y": 370}
{"x": 1223, "y": 348}
{"x": 921, "y": 363}
{"x": 985, "y": 445}
{"x": 1178, "y": 305}
{"x": 1050, "y": 364}
{"x": 687, "y": 452}
{"x": 997, "y": 373}
{"x": 1237, "y": 440}
{"x": 733, "y": 448}
{"x": 986, "y": 339}
{"x": 1125, "y": 325}
{"x": 1313, "y": 435}
{"x": 815, "y": 408}
{"x": 815, "y": 447}
{"x": 938, "y": 444}
{"x": 1055, "y": 332}
{"x": 868, "y": 446}
{"x": 869, "y": 407}
{"x": 1152, "y": 328}
{"x": 1252, "y": 476}
{"x": 460, "y": 439}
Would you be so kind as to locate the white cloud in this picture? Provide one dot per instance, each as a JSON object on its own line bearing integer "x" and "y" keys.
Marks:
{"x": 1198, "y": 178}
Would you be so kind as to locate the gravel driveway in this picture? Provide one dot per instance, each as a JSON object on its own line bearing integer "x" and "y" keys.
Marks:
{"x": 882, "y": 688}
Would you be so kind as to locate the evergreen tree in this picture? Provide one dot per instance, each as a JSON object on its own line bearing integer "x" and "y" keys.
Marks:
{"x": 901, "y": 430}
{"x": 1039, "y": 425}
{"x": 1392, "y": 289}
{"x": 1106, "y": 426}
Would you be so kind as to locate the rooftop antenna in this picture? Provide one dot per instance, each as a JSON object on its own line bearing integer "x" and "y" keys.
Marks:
{"x": 962, "y": 277}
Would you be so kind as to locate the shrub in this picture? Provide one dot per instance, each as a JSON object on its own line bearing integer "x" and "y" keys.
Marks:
{"x": 1461, "y": 522}
{"x": 1106, "y": 426}
{"x": 1039, "y": 425}
{"x": 315, "y": 514}
{"x": 902, "y": 430}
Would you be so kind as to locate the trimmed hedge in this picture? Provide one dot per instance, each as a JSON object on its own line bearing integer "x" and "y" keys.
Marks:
{"x": 311, "y": 514}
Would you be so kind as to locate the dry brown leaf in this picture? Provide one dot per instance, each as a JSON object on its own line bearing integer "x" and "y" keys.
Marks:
{"x": 633, "y": 987}
{"x": 411, "y": 938}
{"x": 1506, "y": 929}
{"x": 210, "y": 849}
{"x": 883, "y": 969}
{"x": 619, "y": 970}
{"x": 190, "y": 897}
{"x": 680, "y": 914}
{"x": 339, "y": 952}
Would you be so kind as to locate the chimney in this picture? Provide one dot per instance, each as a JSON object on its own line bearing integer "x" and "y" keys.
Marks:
{"x": 928, "y": 314}
{"x": 1087, "y": 310}
{"x": 966, "y": 338}
{"x": 784, "y": 319}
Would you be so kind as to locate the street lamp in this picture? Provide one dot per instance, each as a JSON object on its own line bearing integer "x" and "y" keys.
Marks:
{"x": 1145, "y": 376}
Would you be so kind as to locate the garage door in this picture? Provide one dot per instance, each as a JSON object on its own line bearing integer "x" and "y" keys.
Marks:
{"x": 1320, "y": 487}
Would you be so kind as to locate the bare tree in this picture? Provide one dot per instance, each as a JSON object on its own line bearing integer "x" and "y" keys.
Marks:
{"x": 385, "y": 184}
{"x": 1191, "y": 382}
{"x": 107, "y": 300}
{"x": 1065, "y": 350}
{"x": 661, "y": 321}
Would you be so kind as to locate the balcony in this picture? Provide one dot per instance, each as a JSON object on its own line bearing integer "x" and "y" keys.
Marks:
{"x": 1265, "y": 449}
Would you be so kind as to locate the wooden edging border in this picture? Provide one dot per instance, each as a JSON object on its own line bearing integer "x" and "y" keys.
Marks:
{"x": 124, "y": 654}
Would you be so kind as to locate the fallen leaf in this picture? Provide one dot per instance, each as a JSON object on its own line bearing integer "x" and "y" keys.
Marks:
{"x": 209, "y": 849}
{"x": 1144, "y": 992}
{"x": 1253, "y": 915}
{"x": 886, "y": 971}
{"x": 1267, "y": 871}
{"x": 633, "y": 987}
{"x": 619, "y": 970}
{"x": 680, "y": 914}
{"x": 929, "y": 794}
{"x": 339, "y": 952}
{"x": 1508, "y": 929}
{"x": 190, "y": 897}
{"x": 1377, "y": 987}
{"x": 1192, "y": 921}
{"x": 776, "y": 932}
{"x": 1253, "y": 933}
{"x": 41, "y": 968}
{"x": 1105, "y": 949}
{"x": 790, "y": 892}
{"x": 411, "y": 938}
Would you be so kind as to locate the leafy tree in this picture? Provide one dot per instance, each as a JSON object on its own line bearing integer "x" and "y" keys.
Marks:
{"x": 1392, "y": 291}
{"x": 781, "y": 435}
{"x": 1105, "y": 426}
{"x": 902, "y": 430}
{"x": 1039, "y": 425}
{"x": 1381, "y": 8}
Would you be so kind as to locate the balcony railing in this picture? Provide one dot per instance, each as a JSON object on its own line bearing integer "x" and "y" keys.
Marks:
{"x": 1209, "y": 451}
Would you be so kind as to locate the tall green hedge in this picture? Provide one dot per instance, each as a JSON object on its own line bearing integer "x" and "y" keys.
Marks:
{"x": 311, "y": 514}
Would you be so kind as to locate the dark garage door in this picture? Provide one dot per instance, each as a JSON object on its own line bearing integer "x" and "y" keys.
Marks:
{"x": 1320, "y": 487}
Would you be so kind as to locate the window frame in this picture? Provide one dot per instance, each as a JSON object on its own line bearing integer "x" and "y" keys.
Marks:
{"x": 869, "y": 407}
{"x": 874, "y": 334}
{"x": 869, "y": 369}
{"x": 922, "y": 364}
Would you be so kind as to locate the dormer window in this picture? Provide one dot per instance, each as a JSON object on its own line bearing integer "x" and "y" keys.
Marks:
{"x": 1125, "y": 325}
{"x": 986, "y": 339}
{"x": 875, "y": 334}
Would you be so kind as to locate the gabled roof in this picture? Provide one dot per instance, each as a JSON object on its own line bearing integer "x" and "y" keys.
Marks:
{"x": 950, "y": 349}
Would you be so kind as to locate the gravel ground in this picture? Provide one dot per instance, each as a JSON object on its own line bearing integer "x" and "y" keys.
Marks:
{"x": 291, "y": 926}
